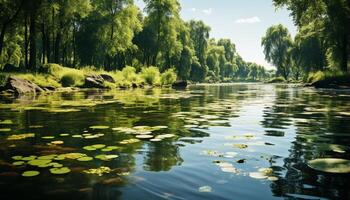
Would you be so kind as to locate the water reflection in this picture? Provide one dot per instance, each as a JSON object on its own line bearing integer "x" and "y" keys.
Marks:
{"x": 241, "y": 128}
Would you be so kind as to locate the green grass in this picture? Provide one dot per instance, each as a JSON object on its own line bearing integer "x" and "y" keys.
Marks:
{"x": 328, "y": 78}
{"x": 59, "y": 76}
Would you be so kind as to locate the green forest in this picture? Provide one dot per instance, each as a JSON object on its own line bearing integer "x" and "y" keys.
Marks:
{"x": 111, "y": 35}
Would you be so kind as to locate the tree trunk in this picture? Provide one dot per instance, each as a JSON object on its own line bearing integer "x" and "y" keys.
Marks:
{"x": 6, "y": 23}
{"x": 73, "y": 44}
{"x": 43, "y": 36}
{"x": 344, "y": 62}
{"x": 32, "y": 40}
{"x": 26, "y": 41}
{"x": 2, "y": 36}
{"x": 57, "y": 47}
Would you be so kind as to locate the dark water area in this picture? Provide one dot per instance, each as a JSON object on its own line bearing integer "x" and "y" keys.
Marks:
{"x": 238, "y": 141}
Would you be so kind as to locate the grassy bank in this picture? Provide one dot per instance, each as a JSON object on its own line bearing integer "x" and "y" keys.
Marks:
{"x": 53, "y": 75}
{"x": 328, "y": 79}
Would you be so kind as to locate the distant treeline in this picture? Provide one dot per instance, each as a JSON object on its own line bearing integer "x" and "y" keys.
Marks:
{"x": 113, "y": 34}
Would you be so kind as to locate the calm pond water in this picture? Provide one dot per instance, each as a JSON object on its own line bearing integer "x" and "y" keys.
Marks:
{"x": 239, "y": 141}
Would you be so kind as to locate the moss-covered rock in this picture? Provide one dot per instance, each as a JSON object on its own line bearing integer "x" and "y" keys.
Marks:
{"x": 20, "y": 86}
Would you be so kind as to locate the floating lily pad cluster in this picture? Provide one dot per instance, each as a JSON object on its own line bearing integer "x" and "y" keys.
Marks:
{"x": 98, "y": 171}
{"x": 101, "y": 147}
{"x": 144, "y": 132}
{"x": 51, "y": 161}
{"x": 199, "y": 120}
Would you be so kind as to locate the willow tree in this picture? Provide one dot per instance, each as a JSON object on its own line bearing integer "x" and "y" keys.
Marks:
{"x": 120, "y": 23}
{"x": 335, "y": 18}
{"x": 164, "y": 22}
{"x": 276, "y": 43}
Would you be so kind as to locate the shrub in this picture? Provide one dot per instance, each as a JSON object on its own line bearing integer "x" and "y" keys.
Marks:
{"x": 151, "y": 75}
{"x": 168, "y": 77}
{"x": 72, "y": 79}
{"x": 129, "y": 74}
{"x": 50, "y": 68}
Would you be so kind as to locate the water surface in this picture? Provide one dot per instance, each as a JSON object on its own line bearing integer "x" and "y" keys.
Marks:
{"x": 210, "y": 141}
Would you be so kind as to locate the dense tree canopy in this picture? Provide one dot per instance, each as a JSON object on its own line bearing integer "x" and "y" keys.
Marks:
{"x": 113, "y": 34}
{"x": 323, "y": 38}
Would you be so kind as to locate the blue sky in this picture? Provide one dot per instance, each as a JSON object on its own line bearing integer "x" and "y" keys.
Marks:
{"x": 242, "y": 21}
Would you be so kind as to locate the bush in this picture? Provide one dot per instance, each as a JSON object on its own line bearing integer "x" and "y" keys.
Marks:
{"x": 151, "y": 75}
{"x": 50, "y": 68}
{"x": 72, "y": 79}
{"x": 168, "y": 77}
{"x": 129, "y": 74}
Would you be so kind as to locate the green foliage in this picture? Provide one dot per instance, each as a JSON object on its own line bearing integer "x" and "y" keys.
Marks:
{"x": 277, "y": 80}
{"x": 323, "y": 37}
{"x": 276, "y": 43}
{"x": 112, "y": 35}
{"x": 324, "y": 75}
{"x": 71, "y": 79}
{"x": 151, "y": 75}
{"x": 168, "y": 77}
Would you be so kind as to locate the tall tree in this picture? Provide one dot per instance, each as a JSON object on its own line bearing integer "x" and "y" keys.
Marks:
{"x": 276, "y": 43}
{"x": 164, "y": 21}
{"x": 335, "y": 15}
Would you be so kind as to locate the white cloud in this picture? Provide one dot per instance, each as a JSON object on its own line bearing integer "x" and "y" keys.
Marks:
{"x": 207, "y": 11}
{"x": 248, "y": 20}
{"x": 193, "y": 9}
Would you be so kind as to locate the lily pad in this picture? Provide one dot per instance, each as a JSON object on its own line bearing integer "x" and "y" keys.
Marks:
{"x": 30, "y": 173}
{"x": 330, "y": 165}
{"x": 73, "y": 155}
{"x": 155, "y": 140}
{"x": 144, "y": 136}
{"x": 257, "y": 175}
{"x": 48, "y": 137}
{"x": 20, "y": 136}
{"x": 85, "y": 159}
{"x": 29, "y": 158}
{"x": 17, "y": 157}
{"x": 98, "y": 146}
{"x": 18, "y": 163}
{"x": 240, "y": 146}
{"x": 47, "y": 157}
{"x": 57, "y": 142}
{"x": 5, "y": 129}
{"x": 99, "y": 171}
{"x": 129, "y": 141}
{"x": 39, "y": 162}
{"x": 6, "y": 122}
{"x": 99, "y": 127}
{"x": 205, "y": 189}
{"x": 62, "y": 170}
{"x": 105, "y": 157}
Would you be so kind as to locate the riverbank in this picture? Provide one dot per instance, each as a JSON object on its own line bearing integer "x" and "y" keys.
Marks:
{"x": 53, "y": 77}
